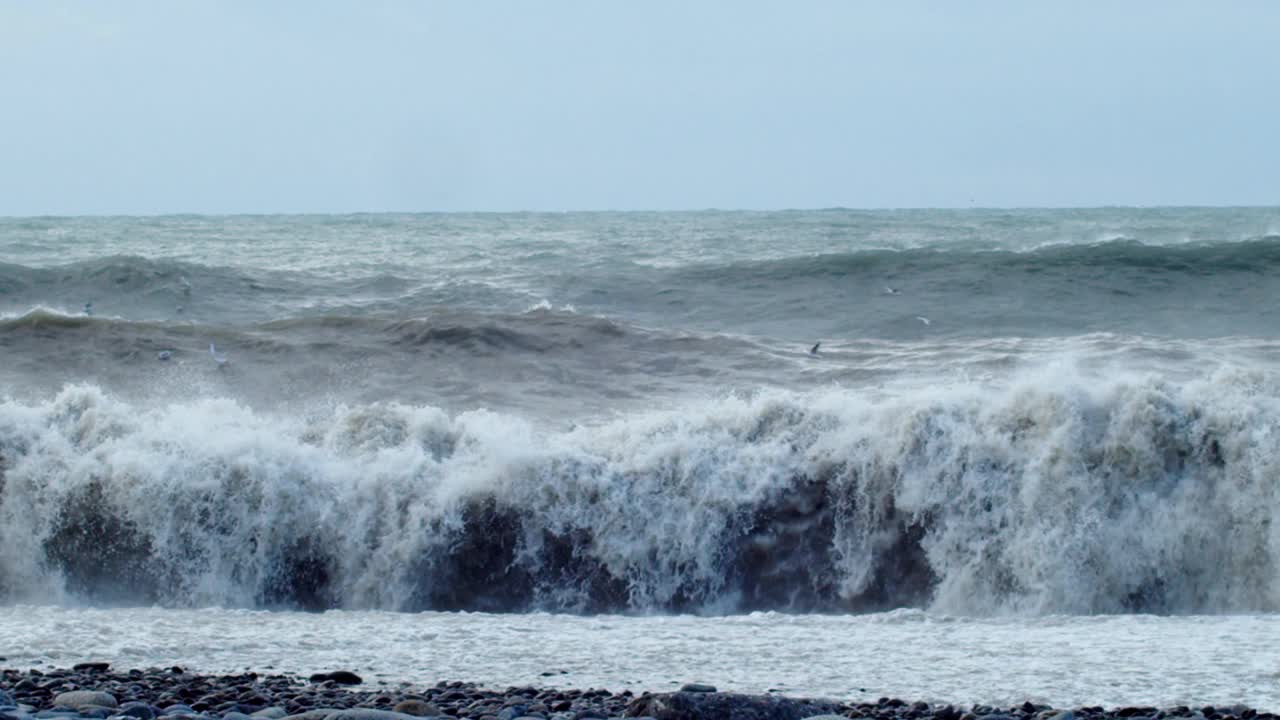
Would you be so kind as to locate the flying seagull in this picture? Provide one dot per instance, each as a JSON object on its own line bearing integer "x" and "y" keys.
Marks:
{"x": 814, "y": 350}
{"x": 217, "y": 357}
{"x": 890, "y": 290}
{"x": 923, "y": 319}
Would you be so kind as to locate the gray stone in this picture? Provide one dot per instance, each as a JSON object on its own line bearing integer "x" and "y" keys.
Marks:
{"x": 57, "y": 714}
{"x": 417, "y": 708}
{"x": 81, "y": 698}
{"x": 511, "y": 712}
{"x": 139, "y": 710}
{"x": 14, "y": 713}
{"x": 6, "y": 700}
{"x": 270, "y": 713}
{"x": 826, "y": 717}
{"x": 177, "y": 709}
{"x": 1055, "y": 715}
{"x": 313, "y": 714}
{"x": 96, "y": 711}
{"x": 235, "y": 715}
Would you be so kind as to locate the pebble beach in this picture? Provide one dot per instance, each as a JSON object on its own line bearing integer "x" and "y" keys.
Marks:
{"x": 96, "y": 691}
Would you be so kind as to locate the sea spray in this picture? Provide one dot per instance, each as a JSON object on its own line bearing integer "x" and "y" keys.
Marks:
{"x": 1054, "y": 491}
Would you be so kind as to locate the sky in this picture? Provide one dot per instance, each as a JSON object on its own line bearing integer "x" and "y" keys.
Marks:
{"x": 227, "y": 107}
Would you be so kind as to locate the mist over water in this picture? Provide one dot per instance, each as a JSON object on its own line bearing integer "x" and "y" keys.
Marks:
{"x": 1011, "y": 412}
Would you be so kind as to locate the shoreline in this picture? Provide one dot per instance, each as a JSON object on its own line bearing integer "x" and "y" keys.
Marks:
{"x": 97, "y": 691}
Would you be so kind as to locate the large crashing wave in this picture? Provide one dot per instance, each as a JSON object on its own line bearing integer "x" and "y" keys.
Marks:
{"x": 1055, "y": 494}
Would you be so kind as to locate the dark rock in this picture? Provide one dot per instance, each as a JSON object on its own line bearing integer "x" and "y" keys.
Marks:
{"x": 337, "y": 677}
{"x": 725, "y": 706}
{"x": 698, "y": 688}
{"x": 946, "y": 713}
{"x": 139, "y": 710}
{"x": 91, "y": 667}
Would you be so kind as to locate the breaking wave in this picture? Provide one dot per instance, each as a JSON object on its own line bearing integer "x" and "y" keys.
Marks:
{"x": 1054, "y": 493}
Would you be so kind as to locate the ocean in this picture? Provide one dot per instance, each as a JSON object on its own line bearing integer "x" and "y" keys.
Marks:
{"x": 1036, "y": 451}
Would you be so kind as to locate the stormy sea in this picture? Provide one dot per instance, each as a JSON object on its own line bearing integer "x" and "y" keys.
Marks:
{"x": 963, "y": 455}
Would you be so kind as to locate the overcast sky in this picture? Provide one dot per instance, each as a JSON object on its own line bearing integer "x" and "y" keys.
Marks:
{"x": 159, "y": 107}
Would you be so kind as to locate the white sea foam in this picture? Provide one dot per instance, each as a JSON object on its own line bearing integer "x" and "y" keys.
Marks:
{"x": 1056, "y": 493}
{"x": 1060, "y": 660}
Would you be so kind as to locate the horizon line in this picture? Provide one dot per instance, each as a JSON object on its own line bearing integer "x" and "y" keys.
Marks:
{"x": 634, "y": 211}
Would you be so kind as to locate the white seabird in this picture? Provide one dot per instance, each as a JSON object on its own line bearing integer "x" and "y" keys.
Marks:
{"x": 220, "y": 359}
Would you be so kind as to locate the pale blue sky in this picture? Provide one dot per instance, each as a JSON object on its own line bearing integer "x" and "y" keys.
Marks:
{"x": 159, "y": 107}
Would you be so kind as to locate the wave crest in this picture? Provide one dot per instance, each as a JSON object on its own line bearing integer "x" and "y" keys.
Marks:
{"x": 1051, "y": 496}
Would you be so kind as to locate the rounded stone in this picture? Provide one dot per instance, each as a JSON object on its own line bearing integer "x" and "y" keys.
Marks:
{"x": 698, "y": 688}
{"x": 417, "y": 708}
{"x": 139, "y": 710}
{"x": 80, "y": 698}
{"x": 367, "y": 714}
